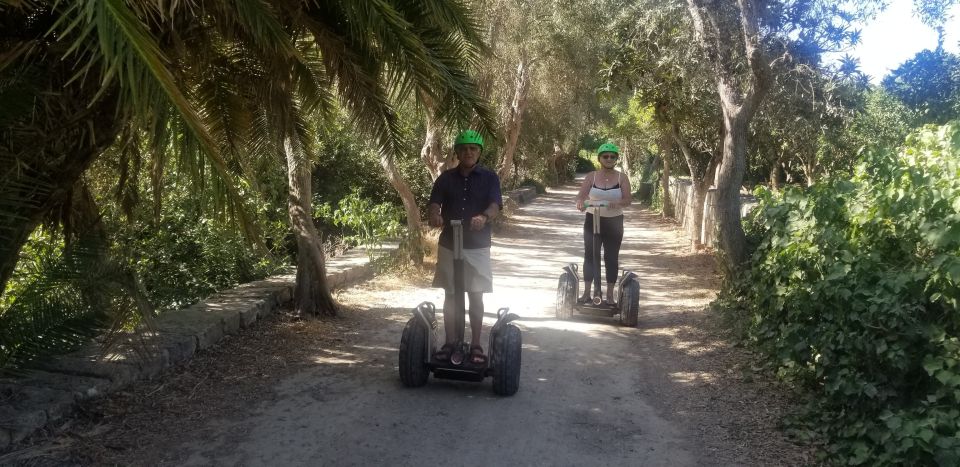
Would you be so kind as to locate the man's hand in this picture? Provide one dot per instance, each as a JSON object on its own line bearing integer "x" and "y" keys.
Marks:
{"x": 477, "y": 222}
{"x": 435, "y": 219}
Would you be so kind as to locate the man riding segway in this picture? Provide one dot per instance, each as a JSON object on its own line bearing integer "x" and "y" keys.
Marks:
{"x": 469, "y": 193}
{"x": 463, "y": 201}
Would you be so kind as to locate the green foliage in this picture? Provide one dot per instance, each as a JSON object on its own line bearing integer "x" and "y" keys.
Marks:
{"x": 367, "y": 223}
{"x": 61, "y": 297}
{"x": 347, "y": 162}
{"x": 586, "y": 161}
{"x": 852, "y": 295}
{"x": 928, "y": 84}
{"x": 185, "y": 257}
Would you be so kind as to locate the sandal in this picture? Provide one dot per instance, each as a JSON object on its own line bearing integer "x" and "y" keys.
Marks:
{"x": 443, "y": 355}
{"x": 476, "y": 355}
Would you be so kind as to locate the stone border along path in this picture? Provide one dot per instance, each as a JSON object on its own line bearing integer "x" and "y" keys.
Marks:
{"x": 50, "y": 393}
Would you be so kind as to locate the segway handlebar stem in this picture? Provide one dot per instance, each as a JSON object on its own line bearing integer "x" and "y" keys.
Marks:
{"x": 457, "y": 238}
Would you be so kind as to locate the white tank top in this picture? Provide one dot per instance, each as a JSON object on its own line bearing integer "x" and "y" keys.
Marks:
{"x": 610, "y": 194}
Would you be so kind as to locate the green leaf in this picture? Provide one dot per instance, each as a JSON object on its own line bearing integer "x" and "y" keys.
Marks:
{"x": 931, "y": 365}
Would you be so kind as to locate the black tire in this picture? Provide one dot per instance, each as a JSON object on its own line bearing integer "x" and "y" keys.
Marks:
{"x": 630, "y": 303}
{"x": 506, "y": 361}
{"x": 413, "y": 354}
{"x": 566, "y": 295}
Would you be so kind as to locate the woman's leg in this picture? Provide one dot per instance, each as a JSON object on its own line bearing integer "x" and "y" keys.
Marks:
{"x": 591, "y": 276}
{"x": 611, "y": 229}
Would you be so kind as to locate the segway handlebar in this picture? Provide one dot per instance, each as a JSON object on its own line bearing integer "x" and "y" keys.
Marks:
{"x": 596, "y": 203}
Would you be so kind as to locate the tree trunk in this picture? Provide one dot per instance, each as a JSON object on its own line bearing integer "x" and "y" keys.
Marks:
{"x": 553, "y": 169}
{"x": 731, "y": 236}
{"x": 668, "y": 210}
{"x": 810, "y": 170}
{"x": 311, "y": 296}
{"x": 43, "y": 159}
{"x": 514, "y": 119}
{"x": 625, "y": 160}
{"x": 741, "y": 86}
{"x": 649, "y": 166}
{"x": 414, "y": 227}
{"x": 434, "y": 158}
{"x": 774, "y": 178}
{"x": 775, "y": 172}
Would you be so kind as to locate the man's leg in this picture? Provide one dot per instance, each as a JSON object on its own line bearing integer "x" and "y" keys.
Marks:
{"x": 476, "y": 316}
{"x": 449, "y": 317}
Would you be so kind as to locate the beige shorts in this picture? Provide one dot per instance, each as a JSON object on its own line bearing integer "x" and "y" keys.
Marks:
{"x": 477, "y": 275}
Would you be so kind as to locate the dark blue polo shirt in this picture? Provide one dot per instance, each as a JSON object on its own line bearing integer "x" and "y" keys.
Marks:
{"x": 462, "y": 198}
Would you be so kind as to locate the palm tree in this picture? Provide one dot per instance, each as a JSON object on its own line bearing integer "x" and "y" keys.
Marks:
{"x": 232, "y": 81}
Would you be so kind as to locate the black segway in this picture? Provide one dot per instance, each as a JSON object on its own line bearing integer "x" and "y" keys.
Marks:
{"x": 418, "y": 344}
{"x": 626, "y": 292}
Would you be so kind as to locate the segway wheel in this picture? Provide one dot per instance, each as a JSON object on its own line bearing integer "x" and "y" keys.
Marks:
{"x": 506, "y": 361}
{"x": 566, "y": 295}
{"x": 630, "y": 303}
{"x": 413, "y": 354}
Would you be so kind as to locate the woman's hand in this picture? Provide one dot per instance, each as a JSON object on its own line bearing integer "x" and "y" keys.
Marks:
{"x": 580, "y": 205}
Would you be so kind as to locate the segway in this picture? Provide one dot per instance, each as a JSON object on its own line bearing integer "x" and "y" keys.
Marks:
{"x": 418, "y": 344}
{"x": 626, "y": 291}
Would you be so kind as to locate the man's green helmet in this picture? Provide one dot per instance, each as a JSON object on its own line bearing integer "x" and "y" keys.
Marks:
{"x": 469, "y": 137}
{"x": 608, "y": 147}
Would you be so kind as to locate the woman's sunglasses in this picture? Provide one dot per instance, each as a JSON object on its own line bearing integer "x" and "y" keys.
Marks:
{"x": 609, "y": 156}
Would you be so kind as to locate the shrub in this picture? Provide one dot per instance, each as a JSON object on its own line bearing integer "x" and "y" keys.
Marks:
{"x": 365, "y": 223}
{"x": 852, "y": 292}
{"x": 185, "y": 258}
{"x": 585, "y": 161}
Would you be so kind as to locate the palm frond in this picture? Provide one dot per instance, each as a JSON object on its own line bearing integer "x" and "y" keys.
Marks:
{"x": 129, "y": 55}
{"x": 353, "y": 63}
{"x": 260, "y": 22}
{"x": 68, "y": 298}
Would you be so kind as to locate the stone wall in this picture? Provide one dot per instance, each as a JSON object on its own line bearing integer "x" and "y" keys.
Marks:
{"x": 680, "y": 190}
{"x": 50, "y": 392}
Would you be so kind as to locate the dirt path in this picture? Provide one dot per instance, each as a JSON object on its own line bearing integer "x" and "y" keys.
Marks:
{"x": 327, "y": 392}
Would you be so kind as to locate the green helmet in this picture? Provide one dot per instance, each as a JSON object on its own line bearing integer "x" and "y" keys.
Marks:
{"x": 469, "y": 137}
{"x": 608, "y": 147}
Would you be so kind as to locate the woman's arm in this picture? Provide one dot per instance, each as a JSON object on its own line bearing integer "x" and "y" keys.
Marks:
{"x": 585, "y": 190}
{"x": 626, "y": 190}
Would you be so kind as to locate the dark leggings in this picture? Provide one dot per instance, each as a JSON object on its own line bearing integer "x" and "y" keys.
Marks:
{"x": 611, "y": 236}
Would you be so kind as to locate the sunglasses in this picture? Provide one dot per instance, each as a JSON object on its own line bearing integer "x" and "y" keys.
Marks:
{"x": 609, "y": 156}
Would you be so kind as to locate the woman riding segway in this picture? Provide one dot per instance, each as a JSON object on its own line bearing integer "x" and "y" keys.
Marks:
{"x": 613, "y": 187}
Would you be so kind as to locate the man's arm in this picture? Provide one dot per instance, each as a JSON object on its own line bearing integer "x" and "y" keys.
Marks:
{"x": 492, "y": 211}
{"x": 433, "y": 215}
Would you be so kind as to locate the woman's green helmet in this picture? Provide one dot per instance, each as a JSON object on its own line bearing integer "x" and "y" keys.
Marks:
{"x": 469, "y": 137}
{"x": 608, "y": 147}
